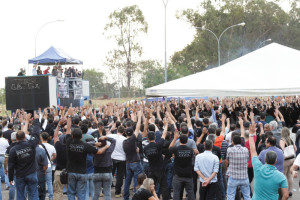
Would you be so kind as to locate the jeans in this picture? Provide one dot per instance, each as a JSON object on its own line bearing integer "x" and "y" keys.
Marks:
{"x": 76, "y": 186}
{"x": 234, "y": 183}
{"x": 0, "y": 190}
{"x": 208, "y": 192}
{"x": 182, "y": 182}
{"x": 102, "y": 180}
{"x": 169, "y": 173}
{"x": 12, "y": 190}
{"x": 49, "y": 182}
{"x": 42, "y": 186}
{"x": 132, "y": 171}
{"x": 31, "y": 183}
{"x": 89, "y": 186}
{"x": 220, "y": 192}
{"x": 57, "y": 186}
{"x": 4, "y": 177}
{"x": 120, "y": 166}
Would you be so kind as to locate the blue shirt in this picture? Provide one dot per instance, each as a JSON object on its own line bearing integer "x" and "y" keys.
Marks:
{"x": 267, "y": 181}
{"x": 207, "y": 163}
{"x": 280, "y": 157}
{"x": 191, "y": 136}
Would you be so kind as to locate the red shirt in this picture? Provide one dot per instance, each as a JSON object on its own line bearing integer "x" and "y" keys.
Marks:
{"x": 219, "y": 140}
{"x": 46, "y": 71}
{"x": 248, "y": 147}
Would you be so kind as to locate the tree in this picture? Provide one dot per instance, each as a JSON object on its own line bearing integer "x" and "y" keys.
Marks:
{"x": 98, "y": 83}
{"x": 264, "y": 20}
{"x": 125, "y": 26}
{"x": 152, "y": 73}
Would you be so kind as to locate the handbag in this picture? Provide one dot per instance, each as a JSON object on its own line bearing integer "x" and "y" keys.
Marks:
{"x": 63, "y": 177}
{"x": 289, "y": 152}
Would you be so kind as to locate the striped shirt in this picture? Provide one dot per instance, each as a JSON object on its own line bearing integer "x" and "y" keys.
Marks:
{"x": 224, "y": 149}
{"x": 238, "y": 161}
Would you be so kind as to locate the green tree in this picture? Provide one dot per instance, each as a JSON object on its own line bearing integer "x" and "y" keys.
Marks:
{"x": 264, "y": 19}
{"x": 2, "y": 97}
{"x": 98, "y": 82}
{"x": 125, "y": 26}
{"x": 152, "y": 73}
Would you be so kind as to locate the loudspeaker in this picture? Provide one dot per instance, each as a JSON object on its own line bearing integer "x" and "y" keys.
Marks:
{"x": 67, "y": 101}
{"x": 30, "y": 92}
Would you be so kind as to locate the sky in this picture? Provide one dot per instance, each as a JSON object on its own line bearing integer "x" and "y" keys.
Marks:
{"x": 81, "y": 33}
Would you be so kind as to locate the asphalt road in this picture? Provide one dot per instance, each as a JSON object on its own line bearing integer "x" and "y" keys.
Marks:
{"x": 296, "y": 193}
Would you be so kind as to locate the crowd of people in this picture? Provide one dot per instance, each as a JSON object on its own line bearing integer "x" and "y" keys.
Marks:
{"x": 167, "y": 149}
{"x": 57, "y": 70}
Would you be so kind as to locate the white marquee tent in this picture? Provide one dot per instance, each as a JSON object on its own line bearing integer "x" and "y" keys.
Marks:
{"x": 273, "y": 70}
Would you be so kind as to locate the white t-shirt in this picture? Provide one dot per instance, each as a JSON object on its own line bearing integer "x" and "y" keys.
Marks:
{"x": 118, "y": 153}
{"x": 3, "y": 145}
{"x": 228, "y": 138}
{"x": 297, "y": 161}
{"x": 51, "y": 150}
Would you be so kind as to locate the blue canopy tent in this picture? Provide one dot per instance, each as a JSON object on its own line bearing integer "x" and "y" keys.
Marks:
{"x": 53, "y": 55}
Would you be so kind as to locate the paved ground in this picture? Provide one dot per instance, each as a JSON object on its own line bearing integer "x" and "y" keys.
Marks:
{"x": 296, "y": 193}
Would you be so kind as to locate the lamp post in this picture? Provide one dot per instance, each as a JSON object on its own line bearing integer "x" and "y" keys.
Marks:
{"x": 219, "y": 38}
{"x": 268, "y": 40}
{"x": 165, "y": 2}
{"x": 59, "y": 20}
{"x": 119, "y": 90}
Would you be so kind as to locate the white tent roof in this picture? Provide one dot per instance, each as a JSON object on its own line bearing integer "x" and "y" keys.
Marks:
{"x": 271, "y": 70}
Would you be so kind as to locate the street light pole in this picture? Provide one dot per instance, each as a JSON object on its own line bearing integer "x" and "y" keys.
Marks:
{"x": 268, "y": 40}
{"x": 59, "y": 20}
{"x": 165, "y": 2}
{"x": 219, "y": 38}
{"x": 119, "y": 95}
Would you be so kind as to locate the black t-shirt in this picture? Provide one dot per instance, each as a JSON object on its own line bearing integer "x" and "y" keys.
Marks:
{"x": 61, "y": 155}
{"x": 76, "y": 154}
{"x": 166, "y": 152}
{"x": 7, "y": 135}
{"x": 204, "y": 137}
{"x": 139, "y": 144}
{"x": 129, "y": 146}
{"x": 73, "y": 73}
{"x": 50, "y": 128}
{"x": 153, "y": 152}
{"x": 197, "y": 132}
{"x": 183, "y": 166}
{"x": 142, "y": 194}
